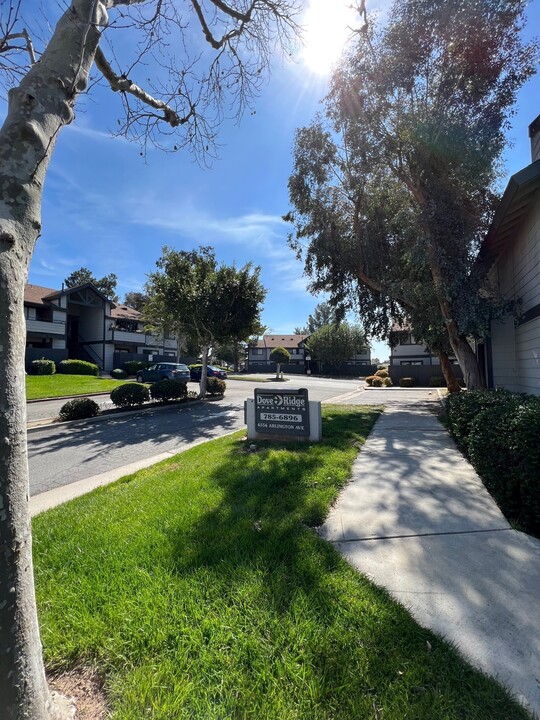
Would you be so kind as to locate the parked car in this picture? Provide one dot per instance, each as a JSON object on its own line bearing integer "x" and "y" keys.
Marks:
{"x": 211, "y": 371}
{"x": 162, "y": 371}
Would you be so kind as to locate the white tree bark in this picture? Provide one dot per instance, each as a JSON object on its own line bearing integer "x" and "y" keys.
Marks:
{"x": 37, "y": 110}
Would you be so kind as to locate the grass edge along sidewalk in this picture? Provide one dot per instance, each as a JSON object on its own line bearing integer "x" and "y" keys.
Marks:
{"x": 49, "y": 387}
{"x": 199, "y": 590}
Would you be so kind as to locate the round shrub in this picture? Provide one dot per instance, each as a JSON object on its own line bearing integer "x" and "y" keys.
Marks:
{"x": 463, "y": 408}
{"x": 436, "y": 381}
{"x": 77, "y": 367}
{"x": 78, "y": 408}
{"x": 369, "y": 380}
{"x": 383, "y": 373}
{"x": 387, "y": 382}
{"x": 168, "y": 390}
{"x": 407, "y": 382}
{"x": 377, "y": 381}
{"x": 215, "y": 386}
{"x": 133, "y": 366}
{"x": 130, "y": 395}
{"x": 118, "y": 374}
{"x": 42, "y": 367}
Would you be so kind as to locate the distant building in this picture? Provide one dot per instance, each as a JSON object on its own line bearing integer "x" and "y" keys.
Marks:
{"x": 259, "y": 354}
{"x": 80, "y": 322}
{"x": 409, "y": 350}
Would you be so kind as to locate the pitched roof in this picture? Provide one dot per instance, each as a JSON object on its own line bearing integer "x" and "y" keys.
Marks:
{"x": 34, "y": 294}
{"x": 286, "y": 341}
{"x": 124, "y": 311}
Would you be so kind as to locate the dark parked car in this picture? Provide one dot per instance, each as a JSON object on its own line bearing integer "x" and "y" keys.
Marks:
{"x": 162, "y": 371}
{"x": 211, "y": 371}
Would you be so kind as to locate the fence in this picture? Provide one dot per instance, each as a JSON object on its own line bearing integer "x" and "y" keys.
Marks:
{"x": 421, "y": 374}
{"x": 344, "y": 370}
{"x": 48, "y": 353}
{"x": 119, "y": 358}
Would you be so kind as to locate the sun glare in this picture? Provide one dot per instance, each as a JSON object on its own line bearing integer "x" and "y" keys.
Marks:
{"x": 327, "y": 26}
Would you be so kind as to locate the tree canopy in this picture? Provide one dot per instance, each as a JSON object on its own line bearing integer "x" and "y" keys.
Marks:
{"x": 106, "y": 285}
{"x": 335, "y": 344}
{"x": 323, "y": 314}
{"x": 394, "y": 186}
{"x": 207, "y": 303}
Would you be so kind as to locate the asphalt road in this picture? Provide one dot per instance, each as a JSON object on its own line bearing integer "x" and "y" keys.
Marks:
{"x": 62, "y": 454}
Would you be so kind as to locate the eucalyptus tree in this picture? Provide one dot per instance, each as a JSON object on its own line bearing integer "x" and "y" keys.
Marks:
{"x": 394, "y": 188}
{"x": 106, "y": 285}
{"x": 175, "y": 67}
{"x": 209, "y": 304}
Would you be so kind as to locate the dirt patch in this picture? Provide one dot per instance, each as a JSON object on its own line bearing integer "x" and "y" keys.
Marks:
{"x": 85, "y": 686}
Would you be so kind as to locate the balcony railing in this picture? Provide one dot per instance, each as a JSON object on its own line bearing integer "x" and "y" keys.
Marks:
{"x": 140, "y": 338}
{"x": 58, "y": 327}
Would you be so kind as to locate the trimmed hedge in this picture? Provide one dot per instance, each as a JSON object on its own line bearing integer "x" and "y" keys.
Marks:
{"x": 437, "y": 381}
{"x": 168, "y": 390}
{"x": 215, "y": 386}
{"x": 407, "y": 382}
{"x": 77, "y": 367}
{"x": 130, "y": 395}
{"x": 499, "y": 432}
{"x": 382, "y": 372}
{"x": 369, "y": 380}
{"x": 132, "y": 367}
{"x": 118, "y": 374}
{"x": 78, "y": 409}
{"x": 387, "y": 382}
{"x": 42, "y": 367}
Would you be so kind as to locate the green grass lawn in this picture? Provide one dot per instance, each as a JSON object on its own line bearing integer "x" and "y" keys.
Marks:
{"x": 51, "y": 386}
{"x": 200, "y": 590}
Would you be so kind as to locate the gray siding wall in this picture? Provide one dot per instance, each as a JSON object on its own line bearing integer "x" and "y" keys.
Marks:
{"x": 516, "y": 351}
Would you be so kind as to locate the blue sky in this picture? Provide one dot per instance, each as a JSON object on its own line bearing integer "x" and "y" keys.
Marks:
{"x": 107, "y": 208}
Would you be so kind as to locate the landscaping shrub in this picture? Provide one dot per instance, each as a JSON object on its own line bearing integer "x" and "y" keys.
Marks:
{"x": 407, "y": 382}
{"x": 168, "y": 390}
{"x": 369, "y": 380}
{"x": 42, "y": 367}
{"x": 78, "y": 408}
{"x": 215, "y": 386}
{"x": 118, "y": 373}
{"x": 387, "y": 382}
{"x": 499, "y": 431}
{"x": 130, "y": 395}
{"x": 132, "y": 367}
{"x": 383, "y": 373}
{"x": 463, "y": 408}
{"x": 437, "y": 381}
{"x": 376, "y": 381}
{"x": 77, "y": 367}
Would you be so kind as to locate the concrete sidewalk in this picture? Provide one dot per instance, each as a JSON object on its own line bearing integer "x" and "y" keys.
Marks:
{"x": 417, "y": 520}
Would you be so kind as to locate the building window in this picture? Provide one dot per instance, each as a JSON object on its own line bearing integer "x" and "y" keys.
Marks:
{"x": 411, "y": 362}
{"x": 257, "y": 351}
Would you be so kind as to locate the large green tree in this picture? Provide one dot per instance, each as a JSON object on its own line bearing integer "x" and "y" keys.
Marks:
{"x": 173, "y": 66}
{"x": 335, "y": 344}
{"x": 394, "y": 187}
{"x": 106, "y": 285}
{"x": 208, "y": 303}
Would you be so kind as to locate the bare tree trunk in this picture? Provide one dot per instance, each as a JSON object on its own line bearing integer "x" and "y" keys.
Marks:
{"x": 37, "y": 110}
{"x": 204, "y": 371}
{"x": 452, "y": 383}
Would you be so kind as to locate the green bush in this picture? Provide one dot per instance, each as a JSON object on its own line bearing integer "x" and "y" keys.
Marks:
{"x": 463, "y": 408}
{"x": 407, "y": 382}
{"x": 437, "y": 381}
{"x": 499, "y": 432}
{"x": 387, "y": 382}
{"x": 215, "y": 386}
{"x": 42, "y": 367}
{"x": 377, "y": 381}
{"x": 383, "y": 373}
{"x": 168, "y": 390}
{"x": 77, "y": 367}
{"x": 118, "y": 373}
{"x": 78, "y": 408}
{"x": 132, "y": 367}
{"x": 130, "y": 395}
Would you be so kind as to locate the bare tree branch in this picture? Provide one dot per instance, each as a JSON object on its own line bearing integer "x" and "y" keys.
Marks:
{"x": 122, "y": 84}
